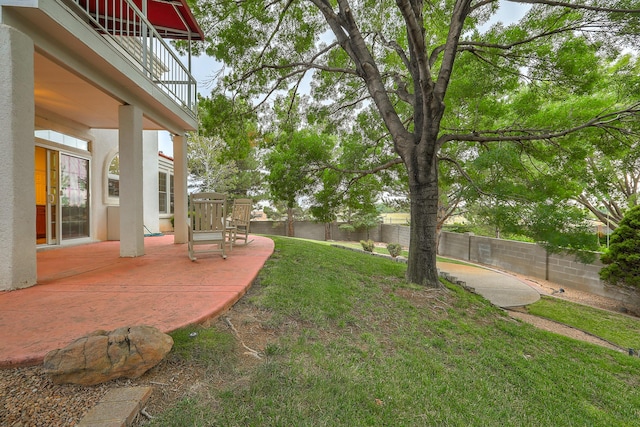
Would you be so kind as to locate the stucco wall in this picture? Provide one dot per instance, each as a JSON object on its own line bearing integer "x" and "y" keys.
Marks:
{"x": 104, "y": 147}
{"x": 17, "y": 183}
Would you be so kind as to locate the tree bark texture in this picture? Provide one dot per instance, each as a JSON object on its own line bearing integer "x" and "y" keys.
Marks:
{"x": 423, "y": 245}
{"x": 290, "y": 219}
{"x": 327, "y": 231}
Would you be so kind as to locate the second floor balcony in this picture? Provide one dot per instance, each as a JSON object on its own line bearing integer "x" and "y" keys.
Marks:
{"x": 92, "y": 56}
{"x": 139, "y": 29}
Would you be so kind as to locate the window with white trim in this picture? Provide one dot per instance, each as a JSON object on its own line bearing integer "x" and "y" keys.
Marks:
{"x": 162, "y": 192}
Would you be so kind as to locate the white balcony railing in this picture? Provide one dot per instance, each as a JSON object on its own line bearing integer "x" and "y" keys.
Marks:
{"x": 122, "y": 23}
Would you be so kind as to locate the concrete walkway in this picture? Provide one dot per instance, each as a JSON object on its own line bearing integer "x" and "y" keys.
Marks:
{"x": 501, "y": 289}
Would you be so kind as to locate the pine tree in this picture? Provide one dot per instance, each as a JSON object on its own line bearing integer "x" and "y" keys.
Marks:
{"x": 623, "y": 256}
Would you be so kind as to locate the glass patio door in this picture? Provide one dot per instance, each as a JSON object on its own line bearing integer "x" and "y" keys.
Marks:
{"x": 74, "y": 197}
{"x": 46, "y": 182}
{"x": 52, "y": 197}
{"x": 62, "y": 196}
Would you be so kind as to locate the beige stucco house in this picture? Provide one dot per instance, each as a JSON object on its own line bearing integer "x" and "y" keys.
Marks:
{"x": 82, "y": 81}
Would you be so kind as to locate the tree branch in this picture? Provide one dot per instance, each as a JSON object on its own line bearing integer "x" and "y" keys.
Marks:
{"x": 415, "y": 35}
{"x": 523, "y": 41}
{"x": 460, "y": 13}
{"x": 309, "y": 65}
{"x": 480, "y": 4}
{"x": 612, "y": 220}
{"x": 577, "y": 6}
{"x": 602, "y": 121}
{"x": 277, "y": 28}
{"x": 364, "y": 172}
{"x": 395, "y": 47}
{"x": 464, "y": 174}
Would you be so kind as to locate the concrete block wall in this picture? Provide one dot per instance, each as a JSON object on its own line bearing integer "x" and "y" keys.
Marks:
{"x": 518, "y": 257}
{"x": 395, "y": 234}
{"x": 276, "y": 228}
{"x": 307, "y": 230}
{"x": 312, "y": 230}
{"x": 455, "y": 245}
{"x": 532, "y": 260}
{"x": 566, "y": 270}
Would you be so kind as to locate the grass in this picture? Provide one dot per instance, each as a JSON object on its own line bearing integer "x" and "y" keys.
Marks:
{"x": 619, "y": 329}
{"x": 352, "y": 344}
{"x": 203, "y": 345}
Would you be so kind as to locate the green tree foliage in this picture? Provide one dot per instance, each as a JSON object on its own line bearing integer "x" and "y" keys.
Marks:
{"x": 605, "y": 177}
{"x": 232, "y": 123}
{"x": 528, "y": 194}
{"x": 331, "y": 183}
{"x": 623, "y": 256}
{"x": 413, "y": 83}
{"x": 206, "y": 170}
{"x": 293, "y": 161}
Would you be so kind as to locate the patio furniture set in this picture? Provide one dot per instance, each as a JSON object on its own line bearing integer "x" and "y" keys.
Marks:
{"x": 211, "y": 228}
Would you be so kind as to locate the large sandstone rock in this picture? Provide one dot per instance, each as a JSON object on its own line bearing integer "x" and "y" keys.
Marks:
{"x": 103, "y": 356}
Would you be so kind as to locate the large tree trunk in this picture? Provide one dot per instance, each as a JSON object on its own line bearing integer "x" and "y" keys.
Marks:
{"x": 421, "y": 267}
{"x": 442, "y": 217}
{"x": 421, "y": 161}
{"x": 290, "y": 229}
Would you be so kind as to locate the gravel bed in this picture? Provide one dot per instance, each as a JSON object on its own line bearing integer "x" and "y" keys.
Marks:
{"x": 29, "y": 398}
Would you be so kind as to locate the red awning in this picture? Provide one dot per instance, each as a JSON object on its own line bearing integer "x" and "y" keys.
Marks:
{"x": 171, "y": 18}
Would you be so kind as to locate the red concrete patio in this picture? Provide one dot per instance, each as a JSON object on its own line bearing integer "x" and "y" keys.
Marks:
{"x": 84, "y": 288}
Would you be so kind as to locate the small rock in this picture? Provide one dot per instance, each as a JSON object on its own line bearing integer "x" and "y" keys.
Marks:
{"x": 103, "y": 356}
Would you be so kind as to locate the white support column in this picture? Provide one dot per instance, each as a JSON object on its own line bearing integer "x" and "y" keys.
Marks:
{"x": 151, "y": 190}
{"x": 17, "y": 161}
{"x": 131, "y": 181}
{"x": 180, "y": 190}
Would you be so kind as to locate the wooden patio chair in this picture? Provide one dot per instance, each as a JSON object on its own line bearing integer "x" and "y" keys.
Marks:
{"x": 240, "y": 221}
{"x": 208, "y": 213}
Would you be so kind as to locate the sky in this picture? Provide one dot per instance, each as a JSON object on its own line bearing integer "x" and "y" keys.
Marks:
{"x": 204, "y": 67}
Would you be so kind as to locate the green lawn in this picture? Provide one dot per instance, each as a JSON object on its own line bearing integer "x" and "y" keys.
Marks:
{"x": 351, "y": 344}
{"x": 619, "y": 329}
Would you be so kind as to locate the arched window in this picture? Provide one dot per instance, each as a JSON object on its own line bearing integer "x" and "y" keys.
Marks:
{"x": 114, "y": 177}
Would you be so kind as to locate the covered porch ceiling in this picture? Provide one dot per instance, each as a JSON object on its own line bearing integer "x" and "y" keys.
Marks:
{"x": 59, "y": 93}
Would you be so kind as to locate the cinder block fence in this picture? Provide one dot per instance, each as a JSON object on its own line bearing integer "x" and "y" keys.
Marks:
{"x": 523, "y": 258}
